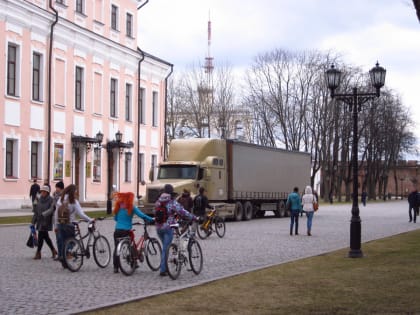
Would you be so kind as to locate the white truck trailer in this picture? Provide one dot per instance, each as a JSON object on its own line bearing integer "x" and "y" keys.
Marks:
{"x": 242, "y": 180}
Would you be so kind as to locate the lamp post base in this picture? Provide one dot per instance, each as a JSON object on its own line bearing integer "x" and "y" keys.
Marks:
{"x": 108, "y": 206}
{"x": 355, "y": 234}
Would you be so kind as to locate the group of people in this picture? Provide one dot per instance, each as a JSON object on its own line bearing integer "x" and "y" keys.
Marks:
{"x": 297, "y": 204}
{"x": 45, "y": 217}
{"x": 184, "y": 207}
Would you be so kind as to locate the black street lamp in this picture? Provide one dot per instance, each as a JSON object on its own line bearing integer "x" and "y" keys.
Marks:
{"x": 355, "y": 100}
{"x": 110, "y": 146}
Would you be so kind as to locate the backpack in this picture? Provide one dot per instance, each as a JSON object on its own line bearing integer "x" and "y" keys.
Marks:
{"x": 161, "y": 213}
{"x": 63, "y": 213}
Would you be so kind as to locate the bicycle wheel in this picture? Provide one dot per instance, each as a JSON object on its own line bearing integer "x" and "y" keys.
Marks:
{"x": 203, "y": 234}
{"x": 173, "y": 261}
{"x": 220, "y": 226}
{"x": 195, "y": 256}
{"x": 126, "y": 259}
{"x": 101, "y": 251}
{"x": 153, "y": 253}
{"x": 73, "y": 254}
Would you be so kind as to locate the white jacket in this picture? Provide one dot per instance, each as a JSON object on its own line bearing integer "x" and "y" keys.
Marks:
{"x": 74, "y": 208}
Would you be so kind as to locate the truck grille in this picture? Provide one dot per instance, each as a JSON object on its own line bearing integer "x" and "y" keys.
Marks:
{"x": 152, "y": 195}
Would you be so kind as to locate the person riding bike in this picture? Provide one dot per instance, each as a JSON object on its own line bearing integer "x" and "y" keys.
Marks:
{"x": 164, "y": 230}
{"x": 200, "y": 204}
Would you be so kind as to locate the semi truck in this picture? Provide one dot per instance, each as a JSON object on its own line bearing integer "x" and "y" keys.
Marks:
{"x": 242, "y": 180}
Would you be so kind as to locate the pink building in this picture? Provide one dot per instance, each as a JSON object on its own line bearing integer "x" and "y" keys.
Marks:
{"x": 81, "y": 102}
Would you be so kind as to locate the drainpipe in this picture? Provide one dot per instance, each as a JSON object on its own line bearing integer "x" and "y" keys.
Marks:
{"x": 165, "y": 141}
{"x": 142, "y": 5}
{"x": 139, "y": 101}
{"x": 138, "y": 113}
{"x": 49, "y": 90}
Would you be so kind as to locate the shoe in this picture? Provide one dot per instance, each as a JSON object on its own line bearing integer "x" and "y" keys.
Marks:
{"x": 54, "y": 254}
{"x": 115, "y": 270}
{"x": 309, "y": 233}
{"x": 410, "y": 221}
{"x": 37, "y": 255}
{"x": 296, "y": 233}
{"x": 163, "y": 274}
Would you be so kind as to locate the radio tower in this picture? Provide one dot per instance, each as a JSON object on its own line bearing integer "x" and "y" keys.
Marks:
{"x": 208, "y": 66}
{"x": 205, "y": 89}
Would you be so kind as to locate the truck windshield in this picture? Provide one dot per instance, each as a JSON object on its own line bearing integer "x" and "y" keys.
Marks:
{"x": 177, "y": 172}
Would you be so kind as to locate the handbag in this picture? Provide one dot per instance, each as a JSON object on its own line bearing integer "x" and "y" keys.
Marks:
{"x": 30, "y": 241}
{"x": 315, "y": 205}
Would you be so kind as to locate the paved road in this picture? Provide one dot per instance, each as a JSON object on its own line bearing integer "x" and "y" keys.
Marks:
{"x": 43, "y": 287}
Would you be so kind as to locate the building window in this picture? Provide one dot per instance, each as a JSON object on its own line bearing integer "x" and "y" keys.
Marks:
{"x": 78, "y": 95}
{"x": 60, "y": 2}
{"x": 127, "y": 162}
{"x": 141, "y": 167}
{"x": 129, "y": 25}
{"x": 12, "y": 70}
{"x": 36, "y": 159}
{"x": 128, "y": 97}
{"x": 114, "y": 17}
{"x": 142, "y": 105}
{"x": 80, "y": 6}
{"x": 113, "y": 98}
{"x": 97, "y": 164}
{"x": 155, "y": 109}
{"x": 36, "y": 76}
{"x": 58, "y": 161}
{"x": 11, "y": 158}
{"x": 154, "y": 166}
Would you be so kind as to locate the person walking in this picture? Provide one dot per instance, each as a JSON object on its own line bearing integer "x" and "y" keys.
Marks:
{"x": 413, "y": 205}
{"x": 294, "y": 203}
{"x": 124, "y": 210}
{"x": 42, "y": 219}
{"x": 308, "y": 200}
{"x": 66, "y": 230}
{"x": 185, "y": 200}
{"x": 364, "y": 197}
{"x": 164, "y": 230}
{"x": 59, "y": 186}
{"x": 33, "y": 192}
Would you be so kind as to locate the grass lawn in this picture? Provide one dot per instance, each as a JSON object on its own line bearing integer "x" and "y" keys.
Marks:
{"x": 385, "y": 281}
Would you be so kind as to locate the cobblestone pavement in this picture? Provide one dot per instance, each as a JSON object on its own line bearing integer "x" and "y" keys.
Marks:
{"x": 44, "y": 287}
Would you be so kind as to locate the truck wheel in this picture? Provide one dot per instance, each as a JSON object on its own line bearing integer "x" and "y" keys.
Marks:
{"x": 247, "y": 211}
{"x": 239, "y": 211}
{"x": 281, "y": 210}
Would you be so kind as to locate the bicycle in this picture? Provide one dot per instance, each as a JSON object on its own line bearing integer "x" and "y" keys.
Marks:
{"x": 75, "y": 249}
{"x": 129, "y": 251}
{"x": 184, "y": 242}
{"x": 206, "y": 228}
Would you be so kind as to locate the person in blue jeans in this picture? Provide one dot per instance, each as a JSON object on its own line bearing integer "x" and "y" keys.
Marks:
{"x": 308, "y": 200}
{"x": 164, "y": 230}
{"x": 293, "y": 200}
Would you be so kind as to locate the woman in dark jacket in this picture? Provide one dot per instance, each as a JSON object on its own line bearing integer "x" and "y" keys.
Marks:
{"x": 42, "y": 219}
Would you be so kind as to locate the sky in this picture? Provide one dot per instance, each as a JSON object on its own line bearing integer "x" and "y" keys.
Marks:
{"x": 362, "y": 31}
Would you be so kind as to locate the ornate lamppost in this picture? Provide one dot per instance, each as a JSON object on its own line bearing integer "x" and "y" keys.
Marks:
{"x": 110, "y": 146}
{"x": 355, "y": 100}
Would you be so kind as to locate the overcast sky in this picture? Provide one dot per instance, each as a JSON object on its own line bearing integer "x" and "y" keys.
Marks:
{"x": 363, "y": 31}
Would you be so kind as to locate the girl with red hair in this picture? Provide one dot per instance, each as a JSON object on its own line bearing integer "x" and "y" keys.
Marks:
{"x": 124, "y": 210}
